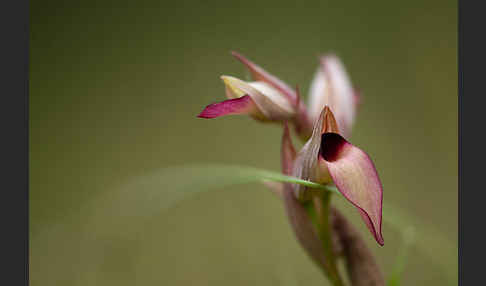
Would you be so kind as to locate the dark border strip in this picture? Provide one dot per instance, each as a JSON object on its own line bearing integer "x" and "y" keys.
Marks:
{"x": 472, "y": 195}
{"x": 14, "y": 206}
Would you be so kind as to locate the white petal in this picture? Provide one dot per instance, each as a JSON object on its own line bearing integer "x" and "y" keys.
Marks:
{"x": 318, "y": 94}
{"x": 331, "y": 86}
{"x": 271, "y": 103}
{"x": 274, "y": 95}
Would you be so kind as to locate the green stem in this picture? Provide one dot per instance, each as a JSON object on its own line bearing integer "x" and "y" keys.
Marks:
{"x": 322, "y": 205}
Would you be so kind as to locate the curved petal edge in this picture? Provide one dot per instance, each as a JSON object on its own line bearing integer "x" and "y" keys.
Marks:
{"x": 355, "y": 176}
{"x": 240, "y": 105}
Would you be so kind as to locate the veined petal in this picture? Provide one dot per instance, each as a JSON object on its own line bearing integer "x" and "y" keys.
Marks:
{"x": 355, "y": 176}
{"x": 259, "y": 74}
{"x": 306, "y": 165}
{"x": 271, "y": 104}
{"x": 241, "y": 105}
{"x": 331, "y": 86}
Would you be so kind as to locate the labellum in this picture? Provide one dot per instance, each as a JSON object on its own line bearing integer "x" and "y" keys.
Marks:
{"x": 327, "y": 157}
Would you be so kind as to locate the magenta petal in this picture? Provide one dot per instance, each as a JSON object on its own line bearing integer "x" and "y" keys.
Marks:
{"x": 259, "y": 74}
{"x": 355, "y": 176}
{"x": 240, "y": 105}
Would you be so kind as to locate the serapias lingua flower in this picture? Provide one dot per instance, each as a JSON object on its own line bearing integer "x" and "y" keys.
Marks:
{"x": 327, "y": 157}
{"x": 257, "y": 99}
{"x": 272, "y": 100}
{"x": 266, "y": 99}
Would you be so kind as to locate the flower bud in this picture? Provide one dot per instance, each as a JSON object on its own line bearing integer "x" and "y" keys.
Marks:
{"x": 257, "y": 99}
{"x": 331, "y": 86}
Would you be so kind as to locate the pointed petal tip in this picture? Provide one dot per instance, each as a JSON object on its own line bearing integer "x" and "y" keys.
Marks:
{"x": 370, "y": 225}
{"x": 235, "y": 53}
{"x": 232, "y": 86}
{"x": 239, "y": 105}
{"x": 239, "y": 56}
{"x": 355, "y": 176}
{"x": 207, "y": 113}
{"x": 250, "y": 65}
{"x": 203, "y": 115}
{"x": 226, "y": 78}
{"x": 329, "y": 123}
{"x": 323, "y": 58}
{"x": 380, "y": 241}
{"x": 232, "y": 82}
{"x": 327, "y": 110}
{"x": 260, "y": 74}
{"x": 379, "y": 238}
{"x": 373, "y": 225}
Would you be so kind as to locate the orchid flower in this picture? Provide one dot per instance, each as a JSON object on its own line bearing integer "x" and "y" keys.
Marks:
{"x": 327, "y": 157}
{"x": 266, "y": 99}
{"x": 270, "y": 99}
{"x": 258, "y": 99}
{"x": 362, "y": 267}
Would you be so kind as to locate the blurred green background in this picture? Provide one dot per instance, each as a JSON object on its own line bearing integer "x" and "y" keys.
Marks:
{"x": 115, "y": 90}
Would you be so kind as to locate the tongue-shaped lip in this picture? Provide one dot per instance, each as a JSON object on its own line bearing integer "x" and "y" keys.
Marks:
{"x": 355, "y": 176}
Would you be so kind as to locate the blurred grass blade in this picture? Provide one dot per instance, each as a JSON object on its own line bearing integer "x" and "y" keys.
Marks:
{"x": 430, "y": 241}
{"x": 117, "y": 212}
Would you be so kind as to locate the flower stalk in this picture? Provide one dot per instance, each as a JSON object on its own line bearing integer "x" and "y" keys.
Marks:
{"x": 322, "y": 205}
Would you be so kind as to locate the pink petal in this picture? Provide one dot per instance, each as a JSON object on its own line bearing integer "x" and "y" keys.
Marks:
{"x": 240, "y": 105}
{"x": 307, "y": 166}
{"x": 287, "y": 158}
{"x": 355, "y": 176}
{"x": 270, "y": 104}
{"x": 288, "y": 153}
{"x": 260, "y": 74}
